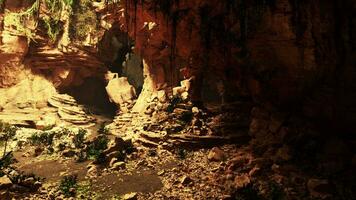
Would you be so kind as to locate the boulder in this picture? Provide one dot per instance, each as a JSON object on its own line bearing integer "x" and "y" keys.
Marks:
{"x": 216, "y": 154}
{"x": 120, "y": 91}
{"x": 242, "y": 181}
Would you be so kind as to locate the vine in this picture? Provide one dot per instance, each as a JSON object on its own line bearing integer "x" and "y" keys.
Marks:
{"x": 18, "y": 20}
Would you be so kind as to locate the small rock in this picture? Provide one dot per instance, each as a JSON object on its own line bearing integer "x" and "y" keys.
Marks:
{"x": 195, "y": 110}
{"x": 160, "y": 173}
{"x": 185, "y": 180}
{"x": 5, "y": 182}
{"x": 216, "y": 154}
{"x": 29, "y": 182}
{"x": 242, "y": 181}
{"x": 68, "y": 153}
{"x": 161, "y": 95}
{"x": 112, "y": 162}
{"x": 130, "y": 196}
{"x": 92, "y": 170}
{"x": 118, "y": 166}
{"x": 185, "y": 95}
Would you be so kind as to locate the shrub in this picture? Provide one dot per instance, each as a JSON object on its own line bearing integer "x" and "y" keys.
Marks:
{"x": 69, "y": 185}
{"x": 79, "y": 138}
{"x": 95, "y": 149}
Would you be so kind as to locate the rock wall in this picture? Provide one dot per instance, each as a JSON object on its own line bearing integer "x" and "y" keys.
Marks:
{"x": 286, "y": 53}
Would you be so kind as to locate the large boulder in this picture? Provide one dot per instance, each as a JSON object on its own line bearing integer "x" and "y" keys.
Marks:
{"x": 120, "y": 91}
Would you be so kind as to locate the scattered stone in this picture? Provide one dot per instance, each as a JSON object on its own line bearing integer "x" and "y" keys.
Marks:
{"x": 195, "y": 110}
{"x": 160, "y": 173}
{"x": 242, "y": 181}
{"x": 4, "y": 194}
{"x": 130, "y": 196}
{"x": 112, "y": 162}
{"x": 118, "y": 166}
{"x": 185, "y": 96}
{"x": 216, "y": 154}
{"x": 5, "y": 182}
{"x": 185, "y": 180}
{"x": 161, "y": 95}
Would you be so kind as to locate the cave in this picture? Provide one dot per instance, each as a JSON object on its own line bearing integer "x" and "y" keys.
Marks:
{"x": 92, "y": 94}
{"x": 177, "y": 99}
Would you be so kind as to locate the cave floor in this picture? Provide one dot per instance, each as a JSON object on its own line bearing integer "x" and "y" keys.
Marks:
{"x": 89, "y": 155}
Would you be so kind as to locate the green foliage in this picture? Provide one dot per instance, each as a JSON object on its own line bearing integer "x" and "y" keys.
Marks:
{"x": 7, "y": 132}
{"x": 173, "y": 103}
{"x": 69, "y": 185}
{"x": 186, "y": 117}
{"x": 19, "y": 20}
{"x": 95, "y": 149}
{"x": 79, "y": 138}
{"x": 103, "y": 129}
{"x": 84, "y": 20}
{"x": 6, "y": 160}
{"x": 44, "y": 138}
{"x": 181, "y": 153}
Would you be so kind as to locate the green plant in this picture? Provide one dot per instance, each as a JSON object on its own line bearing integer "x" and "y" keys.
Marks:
{"x": 44, "y": 138}
{"x": 186, "y": 117}
{"x": 19, "y": 20}
{"x": 181, "y": 153}
{"x": 53, "y": 28}
{"x": 69, "y": 185}
{"x": 79, "y": 138}
{"x": 6, "y": 160}
{"x": 7, "y": 132}
{"x": 84, "y": 20}
{"x": 173, "y": 103}
{"x": 103, "y": 129}
{"x": 95, "y": 149}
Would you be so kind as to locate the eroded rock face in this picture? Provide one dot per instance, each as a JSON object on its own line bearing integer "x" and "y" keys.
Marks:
{"x": 274, "y": 51}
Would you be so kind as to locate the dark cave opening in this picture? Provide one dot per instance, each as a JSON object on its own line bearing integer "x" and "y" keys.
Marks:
{"x": 93, "y": 95}
{"x": 116, "y": 51}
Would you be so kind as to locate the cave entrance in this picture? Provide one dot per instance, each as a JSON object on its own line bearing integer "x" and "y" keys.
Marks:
{"x": 92, "y": 94}
{"x": 116, "y": 51}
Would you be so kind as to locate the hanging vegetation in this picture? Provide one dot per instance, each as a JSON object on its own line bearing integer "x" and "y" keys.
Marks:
{"x": 19, "y": 20}
{"x": 84, "y": 20}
